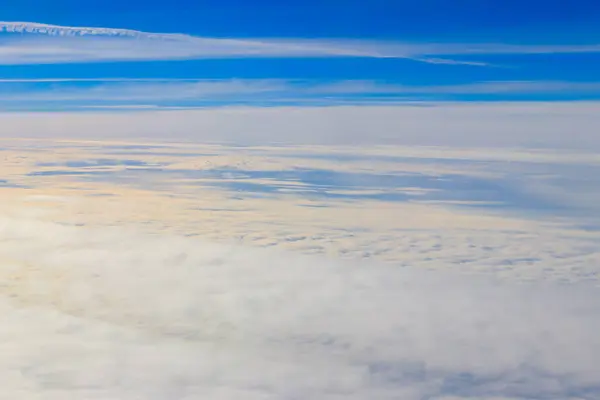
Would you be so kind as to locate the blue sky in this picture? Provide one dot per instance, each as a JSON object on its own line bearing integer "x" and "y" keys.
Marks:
{"x": 267, "y": 53}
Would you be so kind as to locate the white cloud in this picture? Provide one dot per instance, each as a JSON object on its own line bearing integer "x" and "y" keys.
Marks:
{"x": 152, "y": 90}
{"x": 556, "y": 125}
{"x": 71, "y": 80}
{"x": 485, "y": 87}
{"x": 475, "y": 209}
{"x": 257, "y": 90}
{"x": 95, "y": 314}
{"x": 42, "y": 43}
{"x": 56, "y": 44}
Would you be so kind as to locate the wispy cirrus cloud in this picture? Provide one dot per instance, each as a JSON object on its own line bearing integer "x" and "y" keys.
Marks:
{"x": 485, "y": 87}
{"x": 64, "y": 92}
{"x": 35, "y": 43}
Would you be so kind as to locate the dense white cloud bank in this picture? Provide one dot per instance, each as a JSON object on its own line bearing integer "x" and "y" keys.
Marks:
{"x": 104, "y": 314}
{"x": 556, "y": 125}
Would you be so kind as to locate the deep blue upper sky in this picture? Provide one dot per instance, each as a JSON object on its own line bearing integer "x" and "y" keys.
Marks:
{"x": 506, "y": 22}
{"x": 551, "y": 20}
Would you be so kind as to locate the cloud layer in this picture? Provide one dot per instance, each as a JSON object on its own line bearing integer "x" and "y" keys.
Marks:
{"x": 191, "y": 318}
{"x": 517, "y": 213}
{"x": 557, "y": 125}
{"x": 77, "y": 93}
{"x": 35, "y": 43}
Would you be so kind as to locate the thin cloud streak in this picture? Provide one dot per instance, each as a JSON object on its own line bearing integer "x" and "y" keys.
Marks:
{"x": 254, "y": 91}
{"x": 34, "y": 43}
{"x": 68, "y": 80}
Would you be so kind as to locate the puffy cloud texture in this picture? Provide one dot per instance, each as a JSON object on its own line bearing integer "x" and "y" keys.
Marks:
{"x": 104, "y": 314}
